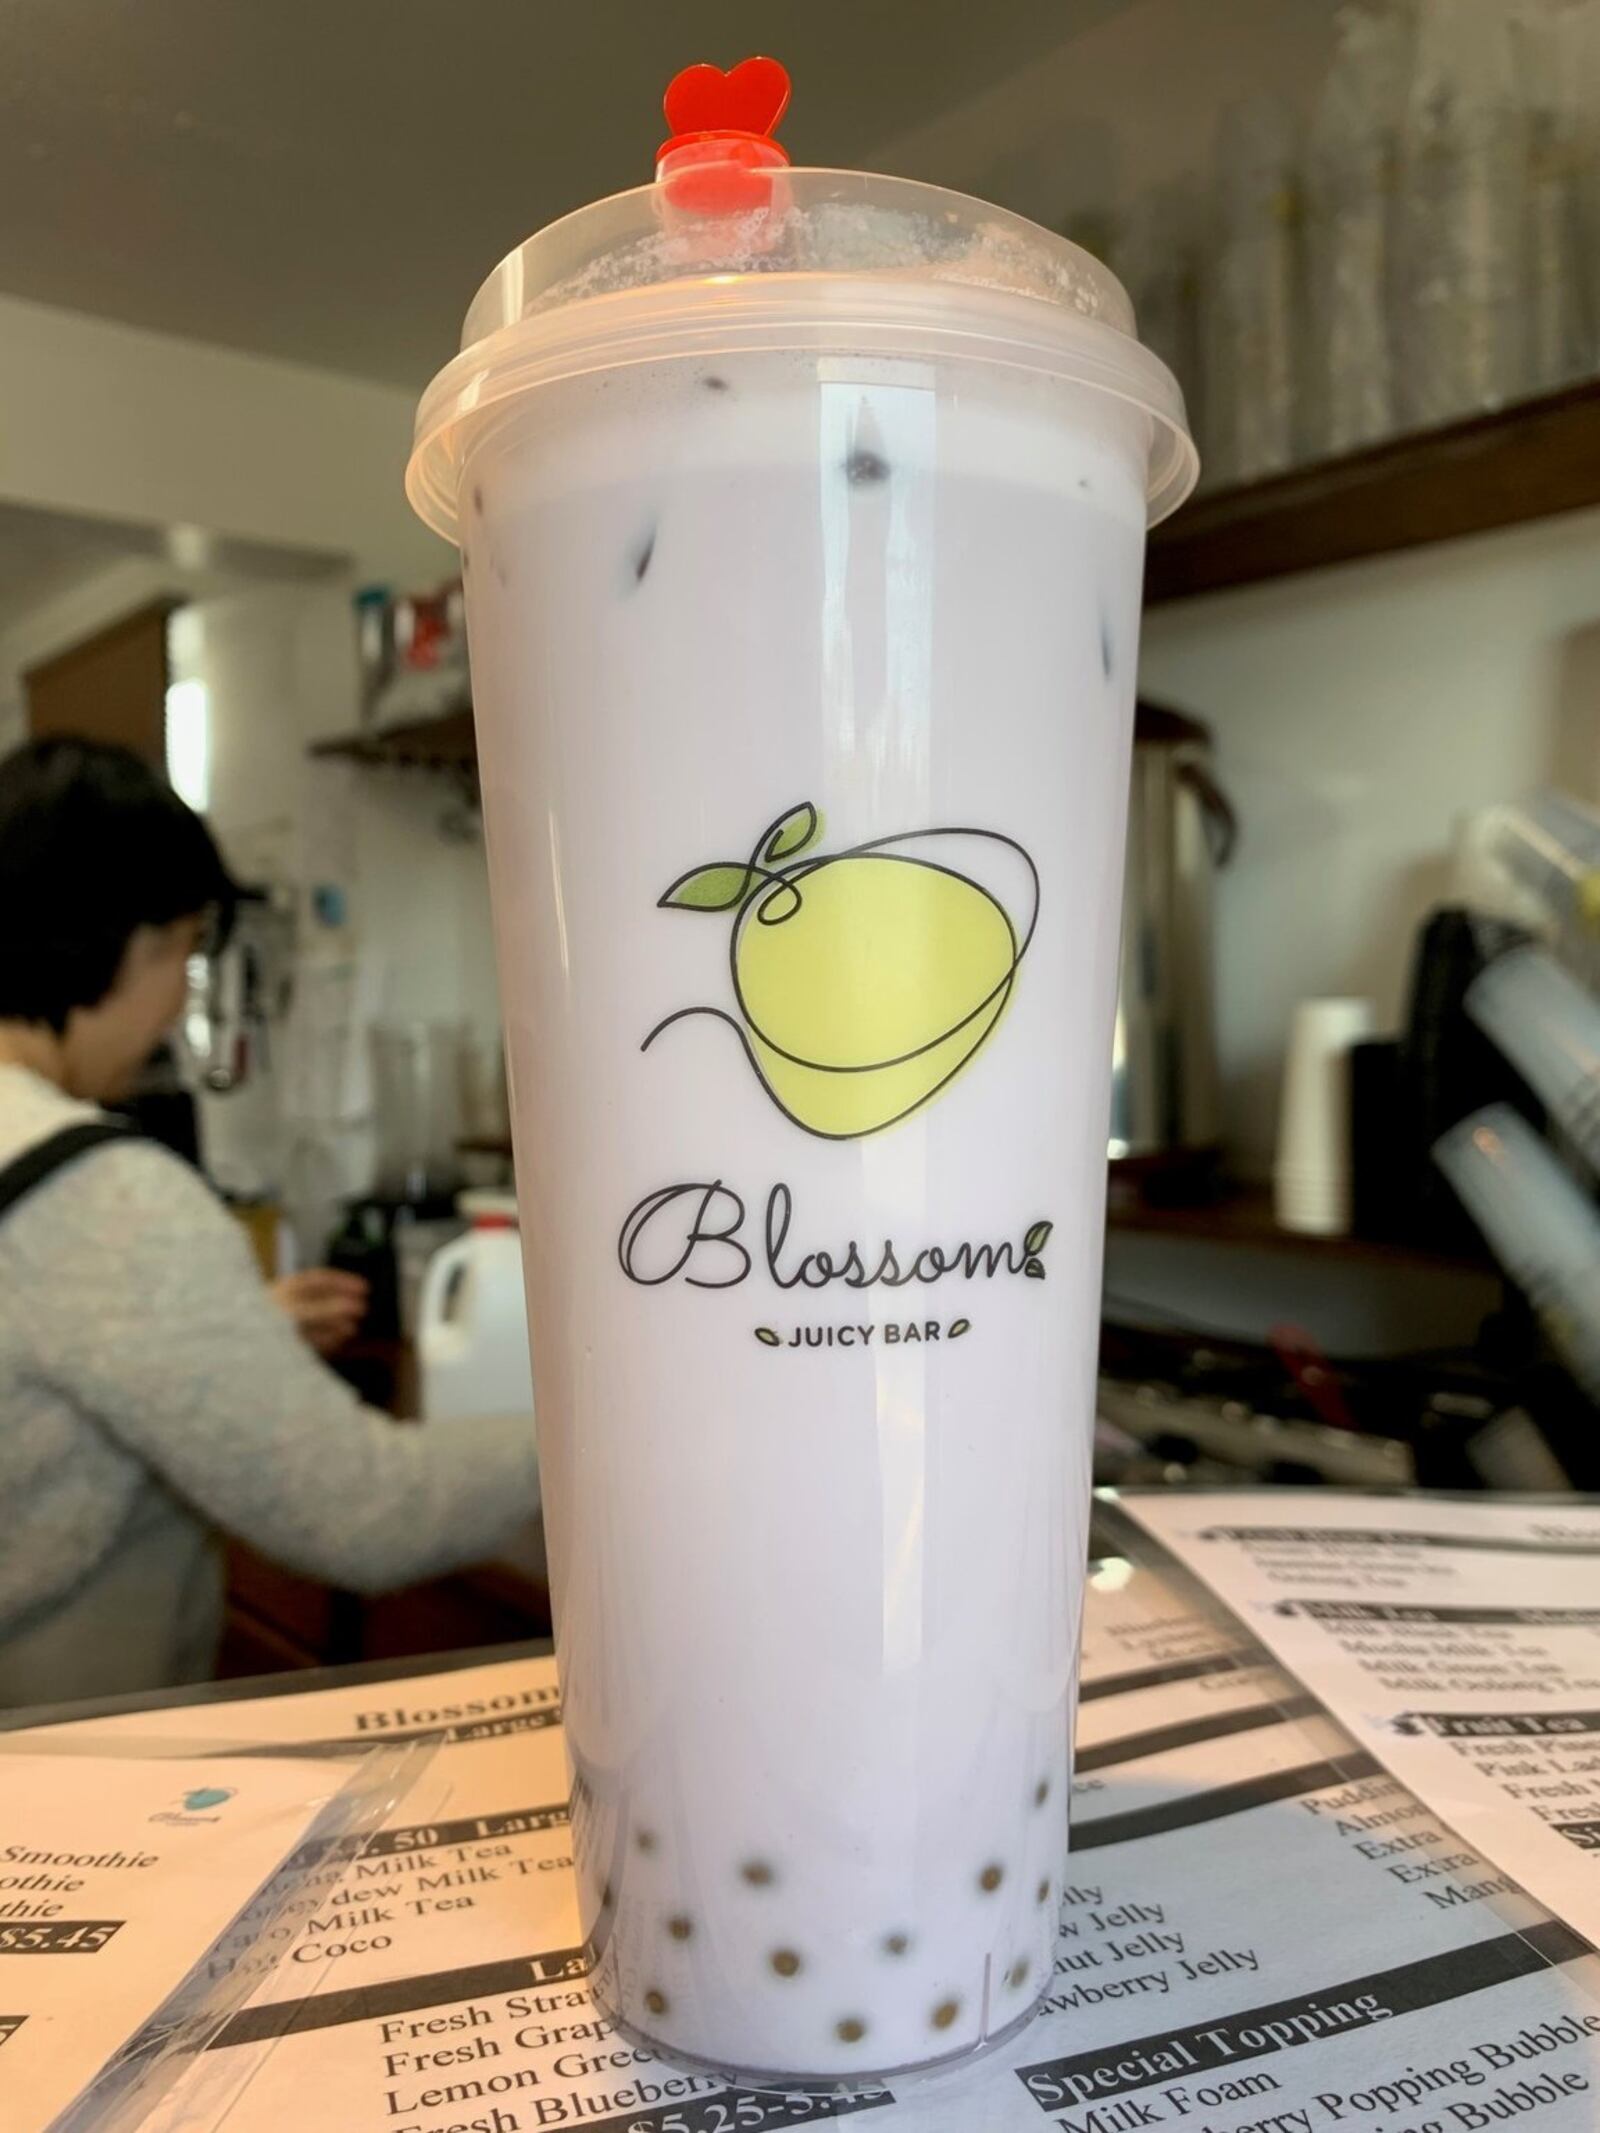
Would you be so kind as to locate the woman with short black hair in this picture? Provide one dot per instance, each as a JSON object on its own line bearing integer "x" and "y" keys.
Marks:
{"x": 151, "y": 1389}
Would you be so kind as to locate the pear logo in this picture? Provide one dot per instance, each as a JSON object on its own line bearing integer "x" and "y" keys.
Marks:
{"x": 864, "y": 980}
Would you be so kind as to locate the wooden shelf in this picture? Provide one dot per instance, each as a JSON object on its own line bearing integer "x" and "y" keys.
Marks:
{"x": 444, "y": 743}
{"x": 1531, "y": 461}
{"x": 1243, "y": 1217}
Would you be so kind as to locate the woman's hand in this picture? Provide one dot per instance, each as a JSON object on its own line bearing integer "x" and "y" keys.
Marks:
{"x": 325, "y": 1307}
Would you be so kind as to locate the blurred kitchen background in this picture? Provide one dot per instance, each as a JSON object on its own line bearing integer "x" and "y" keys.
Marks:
{"x": 1368, "y": 238}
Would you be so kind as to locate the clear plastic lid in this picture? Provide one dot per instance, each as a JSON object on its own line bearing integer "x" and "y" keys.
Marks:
{"x": 731, "y": 252}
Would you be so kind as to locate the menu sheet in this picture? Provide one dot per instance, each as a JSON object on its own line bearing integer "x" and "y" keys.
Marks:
{"x": 1261, "y": 1933}
{"x": 1459, "y": 1640}
{"x": 115, "y": 1873}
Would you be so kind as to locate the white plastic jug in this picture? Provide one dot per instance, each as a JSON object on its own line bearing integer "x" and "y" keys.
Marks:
{"x": 472, "y": 1320}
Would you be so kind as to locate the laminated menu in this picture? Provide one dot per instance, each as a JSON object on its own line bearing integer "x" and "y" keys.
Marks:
{"x": 1261, "y": 1932}
{"x": 116, "y": 1873}
{"x": 1458, "y": 1639}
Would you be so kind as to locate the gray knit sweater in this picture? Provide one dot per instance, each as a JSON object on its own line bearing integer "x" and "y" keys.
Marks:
{"x": 149, "y": 1388}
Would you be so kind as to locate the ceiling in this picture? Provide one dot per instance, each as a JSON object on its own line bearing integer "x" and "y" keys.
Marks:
{"x": 328, "y": 180}
{"x": 45, "y": 553}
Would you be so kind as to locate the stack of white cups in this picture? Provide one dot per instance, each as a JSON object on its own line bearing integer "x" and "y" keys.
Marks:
{"x": 1311, "y": 1178}
{"x": 1548, "y": 1026}
{"x": 1540, "y": 1222}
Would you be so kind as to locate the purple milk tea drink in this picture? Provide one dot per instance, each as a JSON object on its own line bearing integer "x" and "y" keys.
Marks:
{"x": 802, "y": 519}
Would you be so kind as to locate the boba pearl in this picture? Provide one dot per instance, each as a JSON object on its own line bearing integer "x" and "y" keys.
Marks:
{"x": 1017, "y": 1975}
{"x": 758, "y": 1873}
{"x": 1042, "y": 1894}
{"x": 945, "y": 2013}
{"x": 991, "y": 1877}
{"x": 656, "y": 2001}
{"x": 784, "y": 1961}
{"x": 680, "y": 1928}
{"x": 896, "y": 1943}
{"x": 850, "y": 2031}
{"x": 1041, "y": 1792}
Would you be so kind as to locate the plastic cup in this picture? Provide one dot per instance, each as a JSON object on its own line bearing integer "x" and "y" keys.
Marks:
{"x": 1540, "y": 1224}
{"x": 802, "y": 518}
{"x": 1311, "y": 1179}
{"x": 1548, "y": 1026}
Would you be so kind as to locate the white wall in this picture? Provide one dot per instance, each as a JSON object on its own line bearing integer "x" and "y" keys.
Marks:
{"x": 231, "y": 456}
{"x": 1122, "y": 106}
{"x": 422, "y": 898}
{"x": 143, "y": 427}
{"x": 279, "y": 667}
{"x": 1359, "y": 713}
{"x": 78, "y": 611}
{"x": 278, "y": 661}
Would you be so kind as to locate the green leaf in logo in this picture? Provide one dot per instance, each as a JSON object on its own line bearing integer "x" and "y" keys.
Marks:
{"x": 766, "y": 1336}
{"x": 713, "y": 888}
{"x": 1034, "y": 1269}
{"x": 792, "y": 833}
{"x": 958, "y": 1327}
{"x": 1037, "y": 1237}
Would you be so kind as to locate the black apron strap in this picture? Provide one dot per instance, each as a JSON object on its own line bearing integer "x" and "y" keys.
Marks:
{"x": 46, "y": 1157}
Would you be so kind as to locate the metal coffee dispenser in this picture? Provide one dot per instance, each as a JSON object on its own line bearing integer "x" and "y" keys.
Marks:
{"x": 1181, "y": 828}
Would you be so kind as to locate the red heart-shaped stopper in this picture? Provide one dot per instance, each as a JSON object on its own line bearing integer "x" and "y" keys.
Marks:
{"x": 749, "y": 98}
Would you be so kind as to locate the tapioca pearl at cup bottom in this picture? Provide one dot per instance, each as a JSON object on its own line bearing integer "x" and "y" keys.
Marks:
{"x": 945, "y": 2014}
{"x": 850, "y": 2030}
{"x": 896, "y": 1943}
{"x": 1017, "y": 1975}
{"x": 681, "y": 1928}
{"x": 785, "y": 1961}
{"x": 991, "y": 1877}
{"x": 1041, "y": 1792}
{"x": 757, "y": 1873}
{"x": 656, "y": 2002}
{"x": 1042, "y": 1893}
